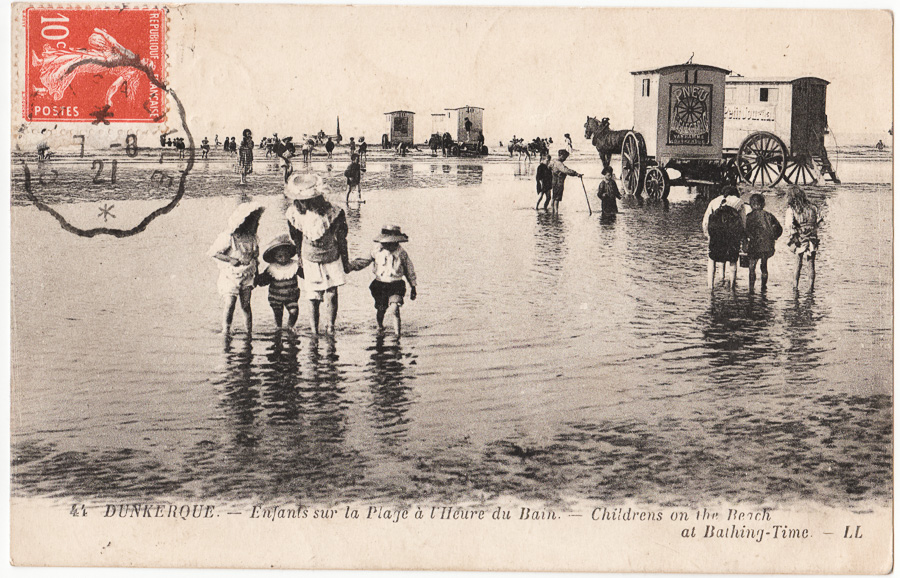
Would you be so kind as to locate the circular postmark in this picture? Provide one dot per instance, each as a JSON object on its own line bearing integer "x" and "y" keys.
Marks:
{"x": 104, "y": 169}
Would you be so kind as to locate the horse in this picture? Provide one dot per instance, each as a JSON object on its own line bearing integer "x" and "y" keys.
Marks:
{"x": 608, "y": 142}
{"x": 537, "y": 147}
{"x": 435, "y": 143}
{"x": 447, "y": 144}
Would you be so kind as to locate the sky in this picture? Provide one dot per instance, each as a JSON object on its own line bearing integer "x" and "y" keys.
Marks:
{"x": 535, "y": 71}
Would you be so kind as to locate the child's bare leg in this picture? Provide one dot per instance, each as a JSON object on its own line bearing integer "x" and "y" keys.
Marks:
{"x": 358, "y": 193}
{"x": 763, "y": 272}
{"x": 379, "y": 317}
{"x": 314, "y": 316}
{"x": 245, "y": 308}
{"x": 752, "y": 272}
{"x": 331, "y": 309}
{"x": 732, "y": 273}
{"x": 230, "y": 302}
{"x": 293, "y": 313}
{"x": 278, "y": 311}
{"x": 710, "y": 272}
{"x": 349, "y": 190}
{"x": 812, "y": 270}
{"x": 798, "y": 266}
{"x": 394, "y": 310}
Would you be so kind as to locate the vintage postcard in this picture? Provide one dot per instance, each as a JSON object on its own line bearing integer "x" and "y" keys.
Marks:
{"x": 451, "y": 288}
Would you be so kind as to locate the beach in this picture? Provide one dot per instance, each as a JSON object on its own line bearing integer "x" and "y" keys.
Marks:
{"x": 550, "y": 358}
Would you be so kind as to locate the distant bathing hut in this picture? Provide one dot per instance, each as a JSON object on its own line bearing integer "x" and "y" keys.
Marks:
{"x": 400, "y": 127}
{"x": 465, "y": 123}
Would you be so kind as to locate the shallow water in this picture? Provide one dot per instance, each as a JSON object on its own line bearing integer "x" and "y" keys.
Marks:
{"x": 547, "y": 357}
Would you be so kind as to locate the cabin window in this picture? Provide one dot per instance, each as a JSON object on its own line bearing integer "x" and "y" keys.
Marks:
{"x": 645, "y": 87}
{"x": 401, "y": 124}
{"x": 768, "y": 94}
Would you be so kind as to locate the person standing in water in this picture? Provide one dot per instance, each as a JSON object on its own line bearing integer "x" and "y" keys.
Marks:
{"x": 560, "y": 172}
{"x": 329, "y": 147}
{"x": 763, "y": 229}
{"x": 391, "y": 265}
{"x": 544, "y": 177}
{"x": 802, "y": 220}
{"x": 723, "y": 224}
{"x": 245, "y": 158}
{"x": 319, "y": 230}
{"x": 237, "y": 250}
{"x": 608, "y": 191}
{"x": 354, "y": 176}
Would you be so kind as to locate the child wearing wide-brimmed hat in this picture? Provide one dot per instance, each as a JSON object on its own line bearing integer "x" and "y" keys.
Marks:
{"x": 319, "y": 230}
{"x": 281, "y": 275}
{"x": 391, "y": 264}
{"x": 237, "y": 250}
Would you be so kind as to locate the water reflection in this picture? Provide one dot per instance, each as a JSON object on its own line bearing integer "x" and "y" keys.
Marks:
{"x": 801, "y": 318}
{"x": 399, "y": 176}
{"x": 549, "y": 243}
{"x": 240, "y": 387}
{"x": 469, "y": 175}
{"x": 390, "y": 394}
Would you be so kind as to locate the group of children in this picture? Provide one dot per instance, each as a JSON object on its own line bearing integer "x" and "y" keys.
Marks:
{"x": 314, "y": 251}
{"x": 735, "y": 234}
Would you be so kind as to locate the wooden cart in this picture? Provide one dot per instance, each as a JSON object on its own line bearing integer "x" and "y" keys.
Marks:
{"x": 775, "y": 127}
{"x": 678, "y": 124}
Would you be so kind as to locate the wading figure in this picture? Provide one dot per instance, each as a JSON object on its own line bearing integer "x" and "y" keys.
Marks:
{"x": 319, "y": 230}
{"x": 607, "y": 142}
{"x": 802, "y": 222}
{"x": 237, "y": 250}
{"x": 245, "y": 160}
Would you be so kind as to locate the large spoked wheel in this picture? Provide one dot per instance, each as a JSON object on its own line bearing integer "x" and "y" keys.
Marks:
{"x": 761, "y": 159}
{"x": 801, "y": 171}
{"x": 634, "y": 161}
{"x": 656, "y": 183}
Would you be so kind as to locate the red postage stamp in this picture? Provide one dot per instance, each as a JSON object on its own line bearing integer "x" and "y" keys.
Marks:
{"x": 94, "y": 65}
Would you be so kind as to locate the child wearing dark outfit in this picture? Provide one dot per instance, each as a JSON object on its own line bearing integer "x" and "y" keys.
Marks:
{"x": 762, "y": 231}
{"x": 608, "y": 192}
{"x": 354, "y": 176}
{"x": 544, "y": 178}
{"x": 391, "y": 265}
{"x": 281, "y": 275}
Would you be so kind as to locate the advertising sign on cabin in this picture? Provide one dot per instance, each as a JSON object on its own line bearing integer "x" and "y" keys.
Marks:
{"x": 690, "y": 106}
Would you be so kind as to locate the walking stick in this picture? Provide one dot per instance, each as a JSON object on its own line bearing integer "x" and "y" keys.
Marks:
{"x": 587, "y": 200}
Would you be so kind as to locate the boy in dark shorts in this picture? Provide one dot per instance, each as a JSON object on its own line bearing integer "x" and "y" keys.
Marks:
{"x": 391, "y": 264}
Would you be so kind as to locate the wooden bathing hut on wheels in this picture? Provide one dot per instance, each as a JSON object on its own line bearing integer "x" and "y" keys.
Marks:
{"x": 465, "y": 124}
{"x": 778, "y": 126}
{"x": 400, "y": 127}
{"x": 678, "y": 125}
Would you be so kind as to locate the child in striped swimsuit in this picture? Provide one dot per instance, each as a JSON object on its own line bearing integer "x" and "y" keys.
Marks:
{"x": 281, "y": 275}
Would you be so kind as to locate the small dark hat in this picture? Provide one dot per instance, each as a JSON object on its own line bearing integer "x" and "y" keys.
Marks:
{"x": 277, "y": 243}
